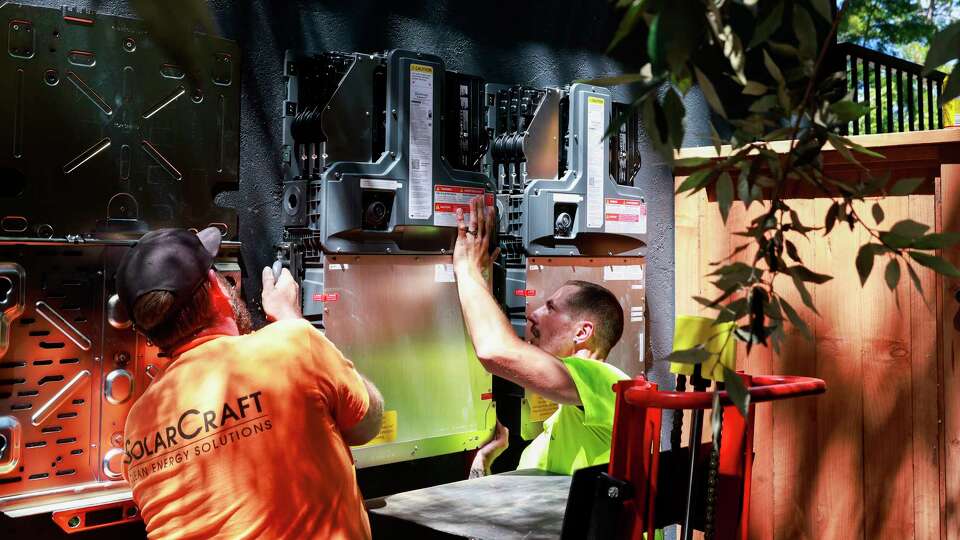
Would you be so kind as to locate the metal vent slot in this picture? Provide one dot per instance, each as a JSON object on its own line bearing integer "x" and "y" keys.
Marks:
{"x": 21, "y": 406}
{"x": 52, "y": 429}
{"x": 10, "y": 480}
{"x": 10, "y": 365}
{"x": 50, "y": 378}
{"x": 67, "y": 440}
{"x": 39, "y": 333}
{"x": 27, "y": 321}
{"x": 28, "y": 393}
{"x": 42, "y": 362}
{"x": 5, "y": 395}
{"x": 78, "y": 401}
{"x": 66, "y": 415}
{"x": 80, "y": 319}
{"x": 35, "y": 444}
{"x": 69, "y": 360}
{"x": 51, "y": 345}
{"x": 77, "y": 452}
{"x": 11, "y": 382}
{"x": 38, "y": 476}
{"x": 66, "y": 472}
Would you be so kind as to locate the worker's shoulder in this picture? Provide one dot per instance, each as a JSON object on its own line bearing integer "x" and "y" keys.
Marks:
{"x": 589, "y": 366}
{"x": 290, "y": 329}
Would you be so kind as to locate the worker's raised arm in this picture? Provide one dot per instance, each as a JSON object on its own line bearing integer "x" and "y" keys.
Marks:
{"x": 498, "y": 348}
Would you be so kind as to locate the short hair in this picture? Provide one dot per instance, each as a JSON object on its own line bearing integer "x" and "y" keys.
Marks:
{"x": 605, "y": 308}
{"x": 151, "y": 314}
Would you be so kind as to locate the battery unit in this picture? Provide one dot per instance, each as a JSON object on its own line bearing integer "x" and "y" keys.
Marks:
{"x": 379, "y": 151}
{"x": 564, "y": 162}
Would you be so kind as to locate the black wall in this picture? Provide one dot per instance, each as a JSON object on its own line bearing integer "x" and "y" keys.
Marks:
{"x": 537, "y": 43}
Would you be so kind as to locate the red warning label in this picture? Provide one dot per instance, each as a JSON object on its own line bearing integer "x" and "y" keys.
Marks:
{"x": 625, "y": 216}
{"x": 524, "y": 292}
{"x": 447, "y": 199}
{"x": 331, "y": 297}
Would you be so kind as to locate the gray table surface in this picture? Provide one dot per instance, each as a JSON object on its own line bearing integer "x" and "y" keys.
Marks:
{"x": 525, "y": 504}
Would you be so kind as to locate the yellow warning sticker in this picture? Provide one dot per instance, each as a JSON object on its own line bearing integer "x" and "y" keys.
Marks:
{"x": 388, "y": 430}
{"x": 595, "y": 100}
{"x": 421, "y": 68}
{"x": 540, "y": 407}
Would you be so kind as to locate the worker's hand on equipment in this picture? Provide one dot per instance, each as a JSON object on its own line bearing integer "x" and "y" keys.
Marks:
{"x": 474, "y": 235}
{"x": 281, "y": 297}
{"x": 490, "y": 451}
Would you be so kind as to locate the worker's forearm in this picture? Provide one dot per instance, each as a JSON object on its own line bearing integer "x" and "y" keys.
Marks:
{"x": 488, "y": 327}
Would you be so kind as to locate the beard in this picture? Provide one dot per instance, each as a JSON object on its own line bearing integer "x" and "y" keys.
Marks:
{"x": 240, "y": 313}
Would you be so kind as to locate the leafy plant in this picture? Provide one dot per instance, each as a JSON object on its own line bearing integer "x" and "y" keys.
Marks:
{"x": 764, "y": 69}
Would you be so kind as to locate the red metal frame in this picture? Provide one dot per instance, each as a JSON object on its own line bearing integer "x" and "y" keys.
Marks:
{"x": 635, "y": 448}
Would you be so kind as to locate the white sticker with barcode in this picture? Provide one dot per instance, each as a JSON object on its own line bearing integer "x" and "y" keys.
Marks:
{"x": 420, "y": 201}
{"x": 595, "y": 169}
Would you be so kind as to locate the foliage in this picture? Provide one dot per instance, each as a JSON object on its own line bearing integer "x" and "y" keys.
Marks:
{"x": 892, "y": 26}
{"x": 763, "y": 69}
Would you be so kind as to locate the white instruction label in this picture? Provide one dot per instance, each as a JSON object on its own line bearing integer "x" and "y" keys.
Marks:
{"x": 626, "y": 216}
{"x": 420, "y": 159}
{"x": 443, "y": 273}
{"x": 447, "y": 199}
{"x": 623, "y": 272}
{"x": 595, "y": 172}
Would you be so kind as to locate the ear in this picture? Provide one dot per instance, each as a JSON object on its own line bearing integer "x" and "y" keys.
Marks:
{"x": 584, "y": 332}
{"x": 216, "y": 284}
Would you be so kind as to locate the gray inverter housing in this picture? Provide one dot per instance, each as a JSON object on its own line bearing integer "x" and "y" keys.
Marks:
{"x": 582, "y": 211}
{"x": 377, "y": 145}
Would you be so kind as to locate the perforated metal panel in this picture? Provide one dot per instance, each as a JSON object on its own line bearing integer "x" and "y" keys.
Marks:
{"x": 105, "y": 132}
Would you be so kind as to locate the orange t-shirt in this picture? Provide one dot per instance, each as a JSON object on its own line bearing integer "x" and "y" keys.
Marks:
{"x": 240, "y": 438}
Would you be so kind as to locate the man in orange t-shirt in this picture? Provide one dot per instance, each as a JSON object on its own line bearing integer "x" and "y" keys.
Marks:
{"x": 242, "y": 435}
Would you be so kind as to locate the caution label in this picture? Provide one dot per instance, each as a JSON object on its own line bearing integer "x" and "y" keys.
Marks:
{"x": 388, "y": 429}
{"x": 625, "y": 216}
{"x": 596, "y": 172}
{"x": 541, "y": 408}
{"x": 447, "y": 199}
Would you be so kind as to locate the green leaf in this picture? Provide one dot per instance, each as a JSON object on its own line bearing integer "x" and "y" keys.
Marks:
{"x": 695, "y": 181}
{"x": 696, "y": 355}
{"x": 847, "y": 110}
{"x": 909, "y": 228}
{"x": 772, "y": 68}
{"x": 864, "y": 262}
{"x": 805, "y": 31}
{"x": 795, "y": 319}
{"x": 895, "y": 241}
{"x": 806, "y": 274}
{"x": 764, "y": 104}
{"x": 952, "y": 90}
{"x": 732, "y": 311}
{"x": 840, "y": 146}
{"x": 737, "y": 391}
{"x": 944, "y": 47}
{"x": 767, "y": 26}
{"x": 753, "y": 88}
{"x": 831, "y": 219}
{"x": 824, "y": 9}
{"x": 627, "y": 24}
{"x": 937, "y": 241}
{"x": 915, "y": 278}
{"x": 709, "y": 92}
{"x": 724, "y": 194}
{"x": 906, "y": 186}
{"x": 938, "y": 264}
{"x": 892, "y": 273}
{"x": 674, "y": 111}
{"x": 715, "y": 139}
{"x": 860, "y": 148}
{"x": 877, "y": 213}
